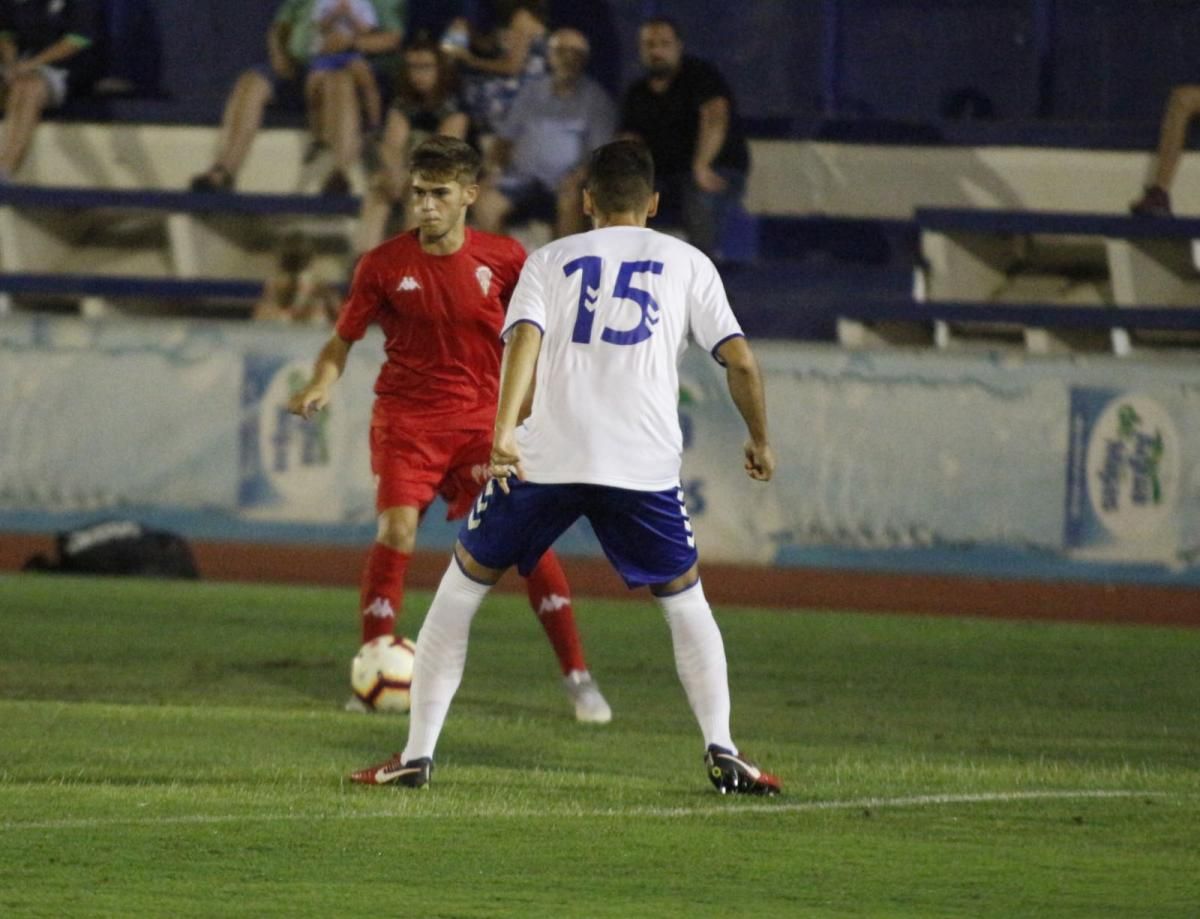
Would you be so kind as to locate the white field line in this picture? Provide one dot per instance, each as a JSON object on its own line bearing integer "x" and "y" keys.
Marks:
{"x": 718, "y": 809}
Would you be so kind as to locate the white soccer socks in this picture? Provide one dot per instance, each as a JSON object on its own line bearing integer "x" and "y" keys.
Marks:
{"x": 700, "y": 662}
{"x": 441, "y": 657}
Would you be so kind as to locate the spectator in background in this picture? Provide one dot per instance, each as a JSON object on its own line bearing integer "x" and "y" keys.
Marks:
{"x": 1182, "y": 106}
{"x": 344, "y": 21}
{"x": 425, "y": 103}
{"x": 290, "y": 43}
{"x": 294, "y": 293}
{"x": 684, "y": 111}
{"x": 595, "y": 20}
{"x": 539, "y": 156}
{"x": 50, "y": 51}
{"x": 495, "y": 56}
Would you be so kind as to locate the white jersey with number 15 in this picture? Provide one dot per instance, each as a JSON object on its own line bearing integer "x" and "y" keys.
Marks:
{"x": 616, "y": 307}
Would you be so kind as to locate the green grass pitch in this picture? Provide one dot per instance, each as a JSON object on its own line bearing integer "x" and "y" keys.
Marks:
{"x": 179, "y": 749}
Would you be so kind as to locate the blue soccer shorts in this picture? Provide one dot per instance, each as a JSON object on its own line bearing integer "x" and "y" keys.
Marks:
{"x": 646, "y": 535}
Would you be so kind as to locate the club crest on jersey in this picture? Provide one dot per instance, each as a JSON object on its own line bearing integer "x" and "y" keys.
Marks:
{"x": 483, "y": 274}
{"x": 408, "y": 282}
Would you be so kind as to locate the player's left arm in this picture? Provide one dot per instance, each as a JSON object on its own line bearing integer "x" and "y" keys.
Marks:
{"x": 744, "y": 380}
{"x": 516, "y": 380}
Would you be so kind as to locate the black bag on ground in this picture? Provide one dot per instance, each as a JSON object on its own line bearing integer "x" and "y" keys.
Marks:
{"x": 119, "y": 547}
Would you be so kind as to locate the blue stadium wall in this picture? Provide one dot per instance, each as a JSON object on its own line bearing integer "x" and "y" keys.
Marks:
{"x": 797, "y": 68}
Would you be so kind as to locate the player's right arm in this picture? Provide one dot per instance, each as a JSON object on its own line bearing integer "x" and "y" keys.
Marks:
{"x": 327, "y": 369}
{"x": 358, "y": 312}
{"x": 516, "y": 380}
{"x": 746, "y": 388}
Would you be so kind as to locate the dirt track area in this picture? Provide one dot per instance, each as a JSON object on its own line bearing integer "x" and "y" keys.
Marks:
{"x": 724, "y": 584}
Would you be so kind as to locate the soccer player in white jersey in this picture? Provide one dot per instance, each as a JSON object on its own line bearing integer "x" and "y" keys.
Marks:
{"x": 602, "y": 318}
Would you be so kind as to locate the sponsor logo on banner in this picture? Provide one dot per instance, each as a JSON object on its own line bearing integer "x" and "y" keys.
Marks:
{"x": 287, "y": 467}
{"x": 1122, "y": 476}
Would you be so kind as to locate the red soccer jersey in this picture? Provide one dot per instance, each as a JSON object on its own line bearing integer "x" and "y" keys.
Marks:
{"x": 441, "y": 317}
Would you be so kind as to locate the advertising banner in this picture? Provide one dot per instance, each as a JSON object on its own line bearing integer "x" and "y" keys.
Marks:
{"x": 898, "y": 459}
{"x": 1123, "y": 476}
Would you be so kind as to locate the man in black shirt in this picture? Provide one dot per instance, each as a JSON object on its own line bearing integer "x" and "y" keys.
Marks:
{"x": 683, "y": 109}
{"x": 49, "y": 51}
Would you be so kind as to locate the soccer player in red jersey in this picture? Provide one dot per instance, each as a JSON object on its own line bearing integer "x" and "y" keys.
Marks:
{"x": 439, "y": 293}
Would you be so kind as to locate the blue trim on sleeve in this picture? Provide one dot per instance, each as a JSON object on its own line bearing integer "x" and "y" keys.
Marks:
{"x": 507, "y": 329}
{"x": 717, "y": 346}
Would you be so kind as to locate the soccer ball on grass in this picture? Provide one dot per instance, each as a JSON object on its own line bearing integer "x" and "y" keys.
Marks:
{"x": 381, "y": 673}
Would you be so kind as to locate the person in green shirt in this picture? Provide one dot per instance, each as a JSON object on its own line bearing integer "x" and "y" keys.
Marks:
{"x": 49, "y": 52}
{"x": 292, "y": 41}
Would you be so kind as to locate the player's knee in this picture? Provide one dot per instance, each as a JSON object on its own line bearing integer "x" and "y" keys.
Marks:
{"x": 396, "y": 532}
{"x": 472, "y": 568}
{"x": 677, "y": 585}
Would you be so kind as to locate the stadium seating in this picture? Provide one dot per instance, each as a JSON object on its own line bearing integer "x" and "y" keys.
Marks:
{"x": 1144, "y": 261}
{"x": 96, "y": 295}
{"x": 829, "y": 231}
{"x": 1036, "y": 327}
{"x": 106, "y": 224}
{"x": 1066, "y": 270}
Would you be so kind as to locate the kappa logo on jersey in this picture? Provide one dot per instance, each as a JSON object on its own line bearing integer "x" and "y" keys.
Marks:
{"x": 483, "y": 275}
{"x": 380, "y": 608}
{"x": 408, "y": 283}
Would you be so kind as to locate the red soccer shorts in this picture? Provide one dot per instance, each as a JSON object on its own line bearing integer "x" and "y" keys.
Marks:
{"x": 411, "y": 467}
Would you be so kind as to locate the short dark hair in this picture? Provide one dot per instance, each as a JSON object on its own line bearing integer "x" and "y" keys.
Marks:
{"x": 663, "y": 21}
{"x": 620, "y": 176}
{"x": 446, "y": 158}
{"x": 505, "y": 10}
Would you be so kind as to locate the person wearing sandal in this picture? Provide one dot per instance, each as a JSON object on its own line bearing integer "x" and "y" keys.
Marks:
{"x": 290, "y": 44}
